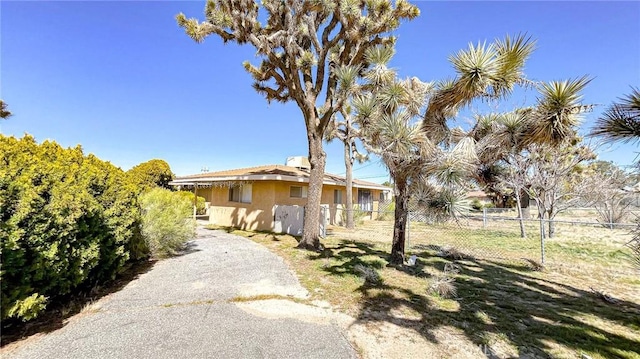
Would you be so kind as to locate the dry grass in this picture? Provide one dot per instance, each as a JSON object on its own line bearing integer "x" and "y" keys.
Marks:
{"x": 502, "y": 307}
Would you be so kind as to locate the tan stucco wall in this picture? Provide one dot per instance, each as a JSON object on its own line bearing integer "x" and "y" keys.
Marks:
{"x": 258, "y": 215}
{"x": 203, "y": 192}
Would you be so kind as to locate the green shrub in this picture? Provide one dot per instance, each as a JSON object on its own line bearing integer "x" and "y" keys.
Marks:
{"x": 167, "y": 222}
{"x": 200, "y": 204}
{"x": 151, "y": 174}
{"x": 67, "y": 221}
{"x": 476, "y": 205}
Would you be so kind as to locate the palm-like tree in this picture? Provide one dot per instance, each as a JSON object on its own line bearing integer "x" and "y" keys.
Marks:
{"x": 621, "y": 121}
{"x": 506, "y": 140}
{"x": 483, "y": 71}
{"x": 396, "y": 137}
{"x": 346, "y": 129}
{"x": 414, "y": 150}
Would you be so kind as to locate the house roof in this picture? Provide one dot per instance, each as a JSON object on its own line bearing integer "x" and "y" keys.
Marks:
{"x": 478, "y": 194}
{"x": 269, "y": 173}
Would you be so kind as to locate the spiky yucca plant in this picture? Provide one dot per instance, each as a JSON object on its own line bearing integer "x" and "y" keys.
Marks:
{"x": 415, "y": 150}
{"x": 621, "y": 121}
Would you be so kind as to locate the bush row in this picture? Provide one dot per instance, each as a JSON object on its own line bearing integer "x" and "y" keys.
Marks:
{"x": 68, "y": 221}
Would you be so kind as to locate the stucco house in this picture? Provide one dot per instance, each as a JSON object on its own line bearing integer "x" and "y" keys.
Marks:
{"x": 247, "y": 198}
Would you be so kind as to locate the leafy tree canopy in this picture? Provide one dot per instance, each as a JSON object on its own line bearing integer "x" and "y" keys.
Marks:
{"x": 150, "y": 174}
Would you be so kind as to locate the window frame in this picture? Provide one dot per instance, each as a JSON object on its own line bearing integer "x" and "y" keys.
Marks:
{"x": 242, "y": 191}
{"x": 337, "y": 196}
{"x": 303, "y": 192}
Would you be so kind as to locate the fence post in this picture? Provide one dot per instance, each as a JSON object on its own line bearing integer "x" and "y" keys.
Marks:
{"x": 541, "y": 240}
{"x": 484, "y": 217}
{"x": 408, "y": 232}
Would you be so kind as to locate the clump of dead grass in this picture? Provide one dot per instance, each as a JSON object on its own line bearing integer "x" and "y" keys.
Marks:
{"x": 370, "y": 275}
{"x": 452, "y": 253}
{"x": 443, "y": 284}
{"x": 534, "y": 265}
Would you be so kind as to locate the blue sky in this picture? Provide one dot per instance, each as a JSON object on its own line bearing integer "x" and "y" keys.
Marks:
{"x": 124, "y": 81}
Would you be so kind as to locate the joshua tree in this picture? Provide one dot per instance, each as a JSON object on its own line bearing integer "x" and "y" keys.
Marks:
{"x": 302, "y": 45}
{"x": 534, "y": 147}
{"x": 413, "y": 150}
{"x": 621, "y": 121}
{"x": 347, "y": 130}
{"x": 4, "y": 113}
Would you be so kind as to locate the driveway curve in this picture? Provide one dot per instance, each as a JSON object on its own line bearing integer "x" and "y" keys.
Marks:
{"x": 191, "y": 306}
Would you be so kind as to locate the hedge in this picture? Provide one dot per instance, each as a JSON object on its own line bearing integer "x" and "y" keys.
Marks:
{"x": 200, "y": 203}
{"x": 67, "y": 221}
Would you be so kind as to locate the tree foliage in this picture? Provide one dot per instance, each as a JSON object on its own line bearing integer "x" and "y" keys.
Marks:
{"x": 4, "y": 112}
{"x": 516, "y": 149}
{"x": 200, "y": 202}
{"x": 67, "y": 221}
{"x": 621, "y": 121}
{"x": 303, "y": 46}
{"x": 427, "y": 156}
{"x": 151, "y": 174}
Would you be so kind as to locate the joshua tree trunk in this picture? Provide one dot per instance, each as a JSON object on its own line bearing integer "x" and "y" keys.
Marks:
{"x": 348, "y": 165}
{"x": 523, "y": 234}
{"x": 400, "y": 221}
{"x": 317, "y": 159}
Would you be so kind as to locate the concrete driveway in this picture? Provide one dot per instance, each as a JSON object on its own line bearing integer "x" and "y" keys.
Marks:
{"x": 187, "y": 307}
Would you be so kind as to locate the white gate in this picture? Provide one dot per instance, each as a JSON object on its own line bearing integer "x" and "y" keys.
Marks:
{"x": 289, "y": 219}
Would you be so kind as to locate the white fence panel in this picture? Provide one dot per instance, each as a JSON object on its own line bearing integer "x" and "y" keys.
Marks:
{"x": 290, "y": 219}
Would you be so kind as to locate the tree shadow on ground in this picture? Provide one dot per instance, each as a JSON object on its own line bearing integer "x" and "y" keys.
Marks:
{"x": 62, "y": 308}
{"x": 534, "y": 315}
{"x": 188, "y": 248}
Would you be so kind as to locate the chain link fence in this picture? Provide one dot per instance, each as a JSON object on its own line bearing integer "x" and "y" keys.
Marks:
{"x": 498, "y": 234}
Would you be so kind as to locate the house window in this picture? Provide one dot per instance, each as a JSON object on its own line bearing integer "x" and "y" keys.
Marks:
{"x": 298, "y": 192}
{"x": 240, "y": 194}
{"x": 382, "y": 199}
{"x": 337, "y": 196}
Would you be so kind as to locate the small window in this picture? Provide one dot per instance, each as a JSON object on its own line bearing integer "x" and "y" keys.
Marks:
{"x": 297, "y": 192}
{"x": 382, "y": 199}
{"x": 337, "y": 196}
{"x": 240, "y": 194}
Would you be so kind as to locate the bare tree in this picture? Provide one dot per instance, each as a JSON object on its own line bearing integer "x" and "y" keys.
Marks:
{"x": 555, "y": 180}
{"x": 515, "y": 177}
{"x": 301, "y": 44}
{"x": 607, "y": 191}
